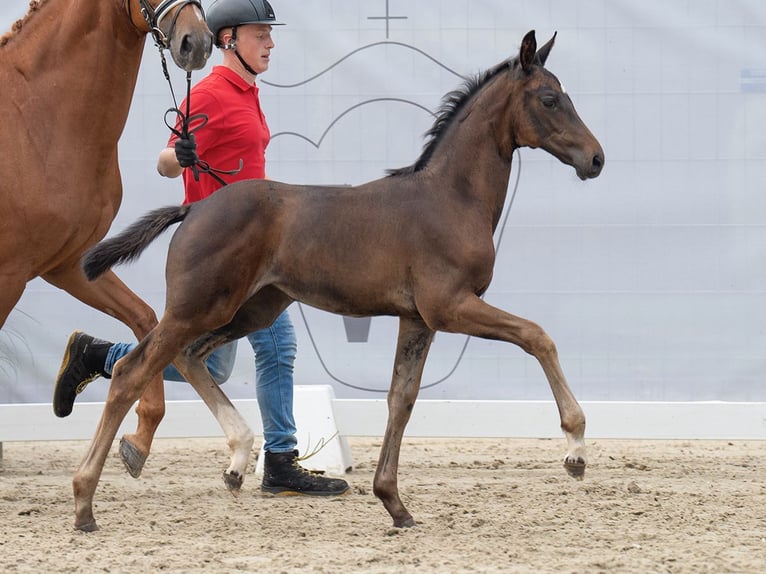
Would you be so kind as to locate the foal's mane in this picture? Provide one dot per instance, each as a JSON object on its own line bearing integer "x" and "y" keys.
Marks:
{"x": 451, "y": 105}
{"x": 34, "y": 5}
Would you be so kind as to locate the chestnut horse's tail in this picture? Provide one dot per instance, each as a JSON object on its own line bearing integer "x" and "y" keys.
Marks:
{"x": 129, "y": 244}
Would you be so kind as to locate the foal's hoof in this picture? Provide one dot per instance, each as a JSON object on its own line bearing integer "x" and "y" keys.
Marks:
{"x": 407, "y": 522}
{"x": 132, "y": 458}
{"x": 233, "y": 481}
{"x": 575, "y": 468}
{"x": 88, "y": 527}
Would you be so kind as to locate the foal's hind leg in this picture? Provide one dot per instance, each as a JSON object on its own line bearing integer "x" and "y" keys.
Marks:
{"x": 130, "y": 378}
{"x": 239, "y": 437}
{"x": 473, "y": 316}
{"x": 411, "y": 352}
{"x": 256, "y": 313}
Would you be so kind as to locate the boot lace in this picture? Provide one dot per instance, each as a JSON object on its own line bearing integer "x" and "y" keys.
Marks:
{"x": 321, "y": 443}
{"x": 86, "y": 381}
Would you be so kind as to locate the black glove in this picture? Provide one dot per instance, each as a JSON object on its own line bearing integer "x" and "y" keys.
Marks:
{"x": 186, "y": 151}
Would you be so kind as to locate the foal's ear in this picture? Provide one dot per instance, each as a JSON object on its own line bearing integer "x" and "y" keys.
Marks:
{"x": 527, "y": 52}
{"x": 546, "y": 49}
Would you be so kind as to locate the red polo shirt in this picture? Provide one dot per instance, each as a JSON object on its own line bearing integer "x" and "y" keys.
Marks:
{"x": 236, "y": 129}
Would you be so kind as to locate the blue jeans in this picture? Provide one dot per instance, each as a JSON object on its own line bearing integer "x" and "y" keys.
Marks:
{"x": 275, "y": 348}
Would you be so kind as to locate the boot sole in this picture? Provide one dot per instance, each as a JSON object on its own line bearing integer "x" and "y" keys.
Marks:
{"x": 283, "y": 491}
{"x": 70, "y": 345}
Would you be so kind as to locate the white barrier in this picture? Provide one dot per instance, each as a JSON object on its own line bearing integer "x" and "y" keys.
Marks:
{"x": 438, "y": 418}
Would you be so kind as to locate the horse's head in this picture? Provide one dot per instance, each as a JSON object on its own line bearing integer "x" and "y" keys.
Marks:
{"x": 179, "y": 26}
{"x": 547, "y": 118}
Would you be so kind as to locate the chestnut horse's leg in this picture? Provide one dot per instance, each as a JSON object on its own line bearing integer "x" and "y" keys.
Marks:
{"x": 11, "y": 289}
{"x": 239, "y": 436}
{"x": 110, "y": 295}
{"x": 473, "y": 316}
{"x": 411, "y": 352}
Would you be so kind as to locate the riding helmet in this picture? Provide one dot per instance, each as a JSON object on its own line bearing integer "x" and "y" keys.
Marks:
{"x": 232, "y": 13}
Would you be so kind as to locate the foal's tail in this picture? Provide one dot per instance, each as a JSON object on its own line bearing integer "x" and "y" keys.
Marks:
{"x": 129, "y": 244}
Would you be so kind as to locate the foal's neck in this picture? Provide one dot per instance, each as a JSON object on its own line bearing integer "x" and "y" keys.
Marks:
{"x": 475, "y": 153}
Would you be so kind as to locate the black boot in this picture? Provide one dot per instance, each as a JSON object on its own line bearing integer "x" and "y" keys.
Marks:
{"x": 283, "y": 475}
{"x": 83, "y": 362}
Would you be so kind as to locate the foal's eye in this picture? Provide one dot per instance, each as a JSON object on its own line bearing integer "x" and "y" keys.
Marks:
{"x": 549, "y": 101}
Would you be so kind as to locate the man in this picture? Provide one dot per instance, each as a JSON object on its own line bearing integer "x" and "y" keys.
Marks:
{"x": 233, "y": 139}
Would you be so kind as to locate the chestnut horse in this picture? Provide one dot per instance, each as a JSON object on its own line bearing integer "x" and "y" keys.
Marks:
{"x": 416, "y": 244}
{"x": 68, "y": 71}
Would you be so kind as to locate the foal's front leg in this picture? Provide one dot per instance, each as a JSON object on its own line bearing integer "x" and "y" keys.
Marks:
{"x": 411, "y": 352}
{"x": 477, "y": 318}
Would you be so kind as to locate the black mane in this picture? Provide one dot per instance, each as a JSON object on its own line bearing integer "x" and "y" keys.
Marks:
{"x": 452, "y": 103}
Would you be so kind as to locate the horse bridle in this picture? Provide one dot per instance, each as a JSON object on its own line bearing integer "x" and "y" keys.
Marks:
{"x": 154, "y": 17}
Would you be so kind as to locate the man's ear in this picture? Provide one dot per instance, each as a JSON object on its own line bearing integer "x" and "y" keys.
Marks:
{"x": 228, "y": 38}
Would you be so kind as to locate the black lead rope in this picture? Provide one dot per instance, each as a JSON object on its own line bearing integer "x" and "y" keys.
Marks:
{"x": 189, "y": 124}
{"x": 185, "y": 121}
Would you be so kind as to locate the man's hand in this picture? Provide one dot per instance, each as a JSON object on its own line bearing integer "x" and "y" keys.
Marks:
{"x": 186, "y": 151}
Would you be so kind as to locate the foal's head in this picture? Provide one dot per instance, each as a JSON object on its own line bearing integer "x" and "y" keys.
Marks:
{"x": 542, "y": 114}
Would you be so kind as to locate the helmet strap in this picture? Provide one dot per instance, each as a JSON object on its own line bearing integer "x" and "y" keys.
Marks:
{"x": 232, "y": 45}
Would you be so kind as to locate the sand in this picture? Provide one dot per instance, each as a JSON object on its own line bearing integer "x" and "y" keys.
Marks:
{"x": 488, "y": 505}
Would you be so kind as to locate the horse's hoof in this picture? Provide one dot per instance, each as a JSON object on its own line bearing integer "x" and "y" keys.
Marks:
{"x": 89, "y": 527}
{"x": 132, "y": 458}
{"x": 233, "y": 481}
{"x": 408, "y": 522}
{"x": 575, "y": 468}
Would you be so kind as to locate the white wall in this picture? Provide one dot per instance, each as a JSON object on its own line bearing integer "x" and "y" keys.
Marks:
{"x": 650, "y": 279}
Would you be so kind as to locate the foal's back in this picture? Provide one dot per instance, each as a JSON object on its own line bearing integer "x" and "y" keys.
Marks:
{"x": 358, "y": 250}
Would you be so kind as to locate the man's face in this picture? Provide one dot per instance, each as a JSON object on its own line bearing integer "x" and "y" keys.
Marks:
{"x": 254, "y": 43}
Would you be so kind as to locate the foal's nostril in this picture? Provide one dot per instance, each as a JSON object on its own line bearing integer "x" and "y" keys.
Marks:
{"x": 597, "y": 161}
